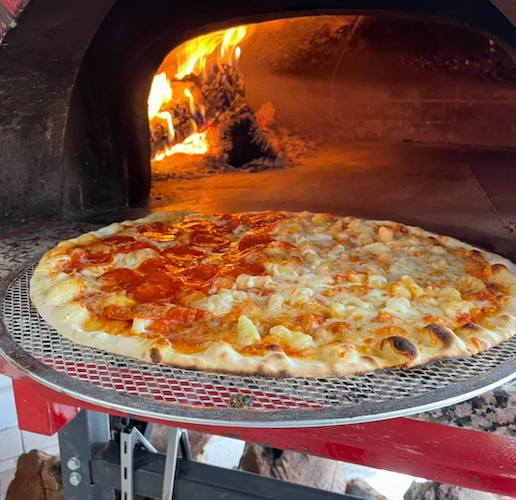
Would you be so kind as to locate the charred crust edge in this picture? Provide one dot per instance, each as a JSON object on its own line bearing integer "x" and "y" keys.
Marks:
{"x": 155, "y": 355}
{"x": 401, "y": 345}
{"x": 498, "y": 267}
{"x": 445, "y": 335}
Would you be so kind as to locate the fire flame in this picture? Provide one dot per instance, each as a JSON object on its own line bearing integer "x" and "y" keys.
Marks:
{"x": 195, "y": 144}
{"x": 195, "y": 57}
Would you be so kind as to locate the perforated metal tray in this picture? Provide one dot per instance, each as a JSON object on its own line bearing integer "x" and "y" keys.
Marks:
{"x": 143, "y": 389}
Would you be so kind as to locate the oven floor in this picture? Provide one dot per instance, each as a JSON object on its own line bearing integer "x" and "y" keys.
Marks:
{"x": 470, "y": 194}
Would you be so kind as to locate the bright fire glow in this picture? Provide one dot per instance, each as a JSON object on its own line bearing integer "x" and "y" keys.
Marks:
{"x": 195, "y": 144}
{"x": 159, "y": 95}
{"x": 192, "y": 55}
{"x": 219, "y": 47}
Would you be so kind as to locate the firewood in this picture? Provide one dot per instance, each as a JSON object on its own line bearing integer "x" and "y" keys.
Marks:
{"x": 239, "y": 141}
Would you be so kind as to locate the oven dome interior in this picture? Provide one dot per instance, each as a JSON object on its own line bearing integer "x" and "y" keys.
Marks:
{"x": 380, "y": 117}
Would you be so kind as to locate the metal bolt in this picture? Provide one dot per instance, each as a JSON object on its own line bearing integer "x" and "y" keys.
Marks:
{"x": 73, "y": 464}
{"x": 75, "y": 479}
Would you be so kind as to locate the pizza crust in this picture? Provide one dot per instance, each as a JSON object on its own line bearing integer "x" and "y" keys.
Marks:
{"x": 54, "y": 294}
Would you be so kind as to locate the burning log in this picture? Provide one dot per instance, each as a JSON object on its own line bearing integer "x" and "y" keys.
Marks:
{"x": 243, "y": 141}
{"x": 239, "y": 139}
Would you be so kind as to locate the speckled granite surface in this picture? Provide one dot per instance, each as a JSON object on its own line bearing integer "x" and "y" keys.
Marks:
{"x": 494, "y": 411}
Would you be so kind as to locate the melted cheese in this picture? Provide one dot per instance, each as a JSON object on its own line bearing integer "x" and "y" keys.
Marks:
{"x": 218, "y": 304}
{"x": 295, "y": 340}
{"x": 321, "y": 273}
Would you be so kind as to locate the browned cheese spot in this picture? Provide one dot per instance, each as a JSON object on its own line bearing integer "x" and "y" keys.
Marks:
{"x": 471, "y": 326}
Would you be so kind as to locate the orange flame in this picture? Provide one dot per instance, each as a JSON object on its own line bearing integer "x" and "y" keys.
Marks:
{"x": 195, "y": 144}
{"x": 160, "y": 94}
{"x": 192, "y": 57}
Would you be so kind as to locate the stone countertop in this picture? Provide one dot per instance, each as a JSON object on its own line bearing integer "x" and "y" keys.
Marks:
{"x": 494, "y": 411}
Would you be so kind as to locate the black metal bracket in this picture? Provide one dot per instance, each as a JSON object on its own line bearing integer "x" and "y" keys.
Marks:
{"x": 99, "y": 463}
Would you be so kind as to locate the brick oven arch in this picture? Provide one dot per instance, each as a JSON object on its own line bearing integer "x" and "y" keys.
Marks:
{"x": 75, "y": 80}
{"x": 135, "y": 38}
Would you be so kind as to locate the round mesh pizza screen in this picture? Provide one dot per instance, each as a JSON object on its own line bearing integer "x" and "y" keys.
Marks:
{"x": 383, "y": 393}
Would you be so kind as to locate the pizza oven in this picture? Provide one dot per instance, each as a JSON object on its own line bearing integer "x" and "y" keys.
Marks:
{"x": 376, "y": 109}
{"x": 383, "y": 109}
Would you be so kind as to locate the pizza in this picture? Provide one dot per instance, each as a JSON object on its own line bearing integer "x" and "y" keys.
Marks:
{"x": 276, "y": 293}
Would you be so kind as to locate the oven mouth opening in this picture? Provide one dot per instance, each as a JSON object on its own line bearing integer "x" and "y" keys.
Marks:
{"x": 267, "y": 95}
{"x": 279, "y": 93}
{"x": 373, "y": 116}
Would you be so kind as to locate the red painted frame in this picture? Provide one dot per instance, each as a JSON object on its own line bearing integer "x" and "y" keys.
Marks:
{"x": 472, "y": 459}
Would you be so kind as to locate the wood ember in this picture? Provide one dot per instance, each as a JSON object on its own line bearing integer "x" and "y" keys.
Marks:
{"x": 159, "y": 137}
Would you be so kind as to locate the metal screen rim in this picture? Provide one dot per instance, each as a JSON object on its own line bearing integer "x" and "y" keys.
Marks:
{"x": 333, "y": 414}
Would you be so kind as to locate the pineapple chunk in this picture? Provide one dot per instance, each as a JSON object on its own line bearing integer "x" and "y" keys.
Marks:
{"x": 248, "y": 334}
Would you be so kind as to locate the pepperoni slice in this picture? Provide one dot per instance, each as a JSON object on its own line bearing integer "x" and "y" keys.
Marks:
{"x": 253, "y": 240}
{"x": 120, "y": 278}
{"x": 156, "y": 287}
{"x": 153, "y": 266}
{"x": 183, "y": 252}
{"x": 251, "y": 268}
{"x": 205, "y": 239}
{"x": 136, "y": 245}
{"x": 95, "y": 258}
{"x": 180, "y": 316}
{"x": 264, "y": 219}
{"x": 201, "y": 273}
{"x": 185, "y": 316}
{"x": 150, "y": 310}
{"x": 160, "y": 231}
{"x": 159, "y": 227}
{"x": 198, "y": 225}
{"x": 86, "y": 257}
{"x": 231, "y": 222}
